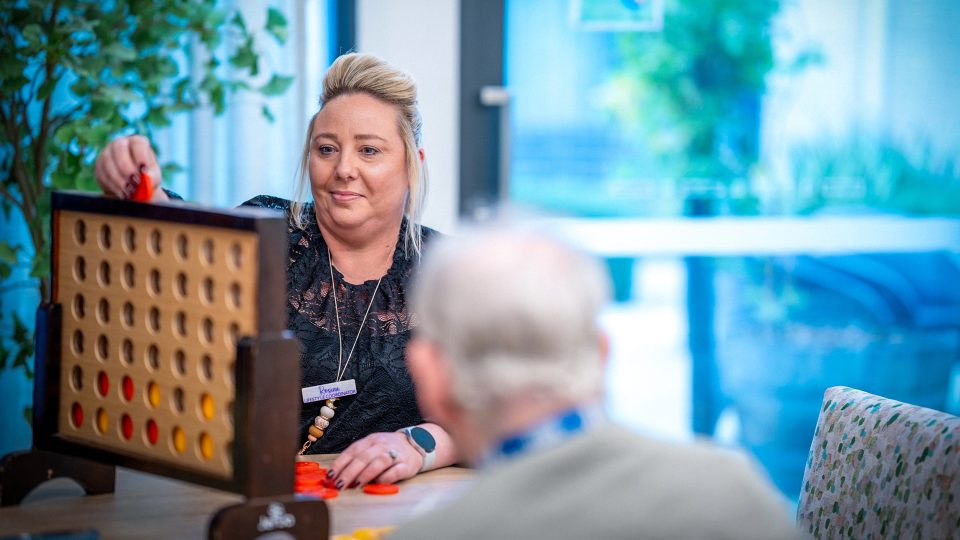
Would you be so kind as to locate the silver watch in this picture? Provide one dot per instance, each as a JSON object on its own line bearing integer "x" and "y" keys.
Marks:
{"x": 424, "y": 442}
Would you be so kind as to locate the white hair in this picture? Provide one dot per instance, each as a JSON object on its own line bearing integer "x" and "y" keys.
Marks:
{"x": 514, "y": 312}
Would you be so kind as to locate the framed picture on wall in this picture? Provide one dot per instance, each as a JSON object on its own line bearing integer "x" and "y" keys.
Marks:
{"x": 617, "y": 15}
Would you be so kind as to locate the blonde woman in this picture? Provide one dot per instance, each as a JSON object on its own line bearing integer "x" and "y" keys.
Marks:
{"x": 353, "y": 248}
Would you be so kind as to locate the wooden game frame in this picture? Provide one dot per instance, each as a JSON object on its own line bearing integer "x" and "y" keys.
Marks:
{"x": 266, "y": 366}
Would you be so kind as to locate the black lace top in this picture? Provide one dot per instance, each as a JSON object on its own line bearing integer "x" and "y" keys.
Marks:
{"x": 384, "y": 400}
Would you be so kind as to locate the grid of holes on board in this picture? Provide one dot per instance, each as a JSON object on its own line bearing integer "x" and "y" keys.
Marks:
{"x": 152, "y": 312}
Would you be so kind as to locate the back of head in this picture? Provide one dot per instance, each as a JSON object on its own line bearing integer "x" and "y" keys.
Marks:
{"x": 515, "y": 312}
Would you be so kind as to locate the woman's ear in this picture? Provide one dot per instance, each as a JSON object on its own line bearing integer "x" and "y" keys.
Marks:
{"x": 421, "y": 154}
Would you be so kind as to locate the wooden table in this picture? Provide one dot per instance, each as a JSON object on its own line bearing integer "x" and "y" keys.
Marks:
{"x": 147, "y": 506}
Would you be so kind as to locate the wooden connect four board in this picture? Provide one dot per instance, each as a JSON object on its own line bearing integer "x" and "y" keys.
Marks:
{"x": 165, "y": 345}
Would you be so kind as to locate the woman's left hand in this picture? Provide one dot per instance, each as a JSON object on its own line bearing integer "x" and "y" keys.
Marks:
{"x": 383, "y": 458}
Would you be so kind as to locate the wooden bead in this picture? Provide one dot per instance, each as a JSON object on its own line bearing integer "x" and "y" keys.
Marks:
{"x": 321, "y": 422}
{"x": 316, "y": 432}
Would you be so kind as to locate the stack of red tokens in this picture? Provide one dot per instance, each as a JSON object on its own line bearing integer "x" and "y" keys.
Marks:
{"x": 311, "y": 479}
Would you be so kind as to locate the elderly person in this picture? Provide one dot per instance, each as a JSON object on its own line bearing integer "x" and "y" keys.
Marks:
{"x": 352, "y": 251}
{"x": 509, "y": 358}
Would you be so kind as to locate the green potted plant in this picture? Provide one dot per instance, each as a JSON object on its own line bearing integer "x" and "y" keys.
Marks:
{"x": 74, "y": 74}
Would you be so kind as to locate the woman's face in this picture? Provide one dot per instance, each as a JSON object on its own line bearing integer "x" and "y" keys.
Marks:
{"x": 358, "y": 170}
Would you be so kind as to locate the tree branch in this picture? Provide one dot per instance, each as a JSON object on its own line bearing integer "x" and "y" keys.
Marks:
{"x": 57, "y": 121}
{"x": 7, "y": 194}
{"x": 40, "y": 142}
{"x": 17, "y": 168}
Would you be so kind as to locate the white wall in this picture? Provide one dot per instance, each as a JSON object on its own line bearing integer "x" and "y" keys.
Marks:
{"x": 422, "y": 37}
{"x": 890, "y": 69}
{"x": 240, "y": 154}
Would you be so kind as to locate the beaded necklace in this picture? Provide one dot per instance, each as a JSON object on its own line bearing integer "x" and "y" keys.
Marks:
{"x": 322, "y": 421}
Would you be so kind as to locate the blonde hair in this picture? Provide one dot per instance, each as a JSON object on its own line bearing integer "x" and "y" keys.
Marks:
{"x": 368, "y": 74}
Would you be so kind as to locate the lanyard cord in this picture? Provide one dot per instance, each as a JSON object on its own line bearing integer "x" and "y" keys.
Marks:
{"x": 336, "y": 309}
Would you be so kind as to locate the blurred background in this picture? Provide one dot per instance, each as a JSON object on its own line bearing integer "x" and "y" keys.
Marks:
{"x": 774, "y": 185}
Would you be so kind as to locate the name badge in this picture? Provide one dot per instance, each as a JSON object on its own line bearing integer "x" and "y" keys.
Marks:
{"x": 329, "y": 391}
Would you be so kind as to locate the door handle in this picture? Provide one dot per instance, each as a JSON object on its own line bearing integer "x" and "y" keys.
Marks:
{"x": 499, "y": 96}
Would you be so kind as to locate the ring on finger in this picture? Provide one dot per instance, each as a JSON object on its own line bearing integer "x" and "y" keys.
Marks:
{"x": 393, "y": 455}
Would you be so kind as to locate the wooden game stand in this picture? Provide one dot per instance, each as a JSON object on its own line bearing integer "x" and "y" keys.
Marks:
{"x": 23, "y": 471}
{"x": 266, "y": 368}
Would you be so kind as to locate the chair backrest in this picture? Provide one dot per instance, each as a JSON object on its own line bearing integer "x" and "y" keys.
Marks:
{"x": 880, "y": 468}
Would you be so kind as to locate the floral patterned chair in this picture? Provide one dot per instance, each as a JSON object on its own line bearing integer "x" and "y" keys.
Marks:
{"x": 879, "y": 468}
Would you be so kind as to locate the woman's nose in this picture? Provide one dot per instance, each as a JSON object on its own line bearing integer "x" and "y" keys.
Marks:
{"x": 347, "y": 167}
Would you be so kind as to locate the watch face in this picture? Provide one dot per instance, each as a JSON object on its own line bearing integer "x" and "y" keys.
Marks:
{"x": 423, "y": 438}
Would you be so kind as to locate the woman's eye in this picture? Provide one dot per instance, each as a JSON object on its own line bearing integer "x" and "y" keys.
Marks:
{"x": 369, "y": 151}
{"x": 326, "y": 149}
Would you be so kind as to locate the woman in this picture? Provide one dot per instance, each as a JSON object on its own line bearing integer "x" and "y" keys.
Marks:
{"x": 351, "y": 252}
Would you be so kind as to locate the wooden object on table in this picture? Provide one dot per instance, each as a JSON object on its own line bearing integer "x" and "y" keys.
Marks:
{"x": 151, "y": 507}
{"x": 165, "y": 348}
{"x": 21, "y": 472}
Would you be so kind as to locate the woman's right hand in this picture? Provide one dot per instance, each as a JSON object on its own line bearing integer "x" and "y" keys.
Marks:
{"x": 118, "y": 167}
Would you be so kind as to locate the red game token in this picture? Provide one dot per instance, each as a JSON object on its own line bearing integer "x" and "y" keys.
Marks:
{"x": 307, "y": 466}
{"x": 381, "y": 489}
{"x": 144, "y": 191}
{"x": 322, "y": 493}
{"x": 307, "y": 481}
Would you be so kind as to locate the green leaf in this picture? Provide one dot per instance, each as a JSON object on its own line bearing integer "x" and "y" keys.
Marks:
{"x": 120, "y": 94}
{"x": 171, "y": 168}
{"x": 218, "y": 99}
{"x": 267, "y": 114}
{"x": 33, "y": 34}
{"x": 245, "y": 57}
{"x": 239, "y": 22}
{"x": 116, "y": 52}
{"x": 8, "y": 258}
{"x": 278, "y": 85}
{"x": 41, "y": 266}
{"x": 277, "y": 25}
{"x": 157, "y": 117}
{"x": 8, "y": 252}
{"x": 21, "y": 334}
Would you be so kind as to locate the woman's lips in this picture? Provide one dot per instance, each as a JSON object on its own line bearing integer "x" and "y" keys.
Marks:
{"x": 344, "y": 196}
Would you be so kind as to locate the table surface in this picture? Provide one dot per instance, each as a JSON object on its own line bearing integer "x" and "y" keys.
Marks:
{"x": 147, "y": 506}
